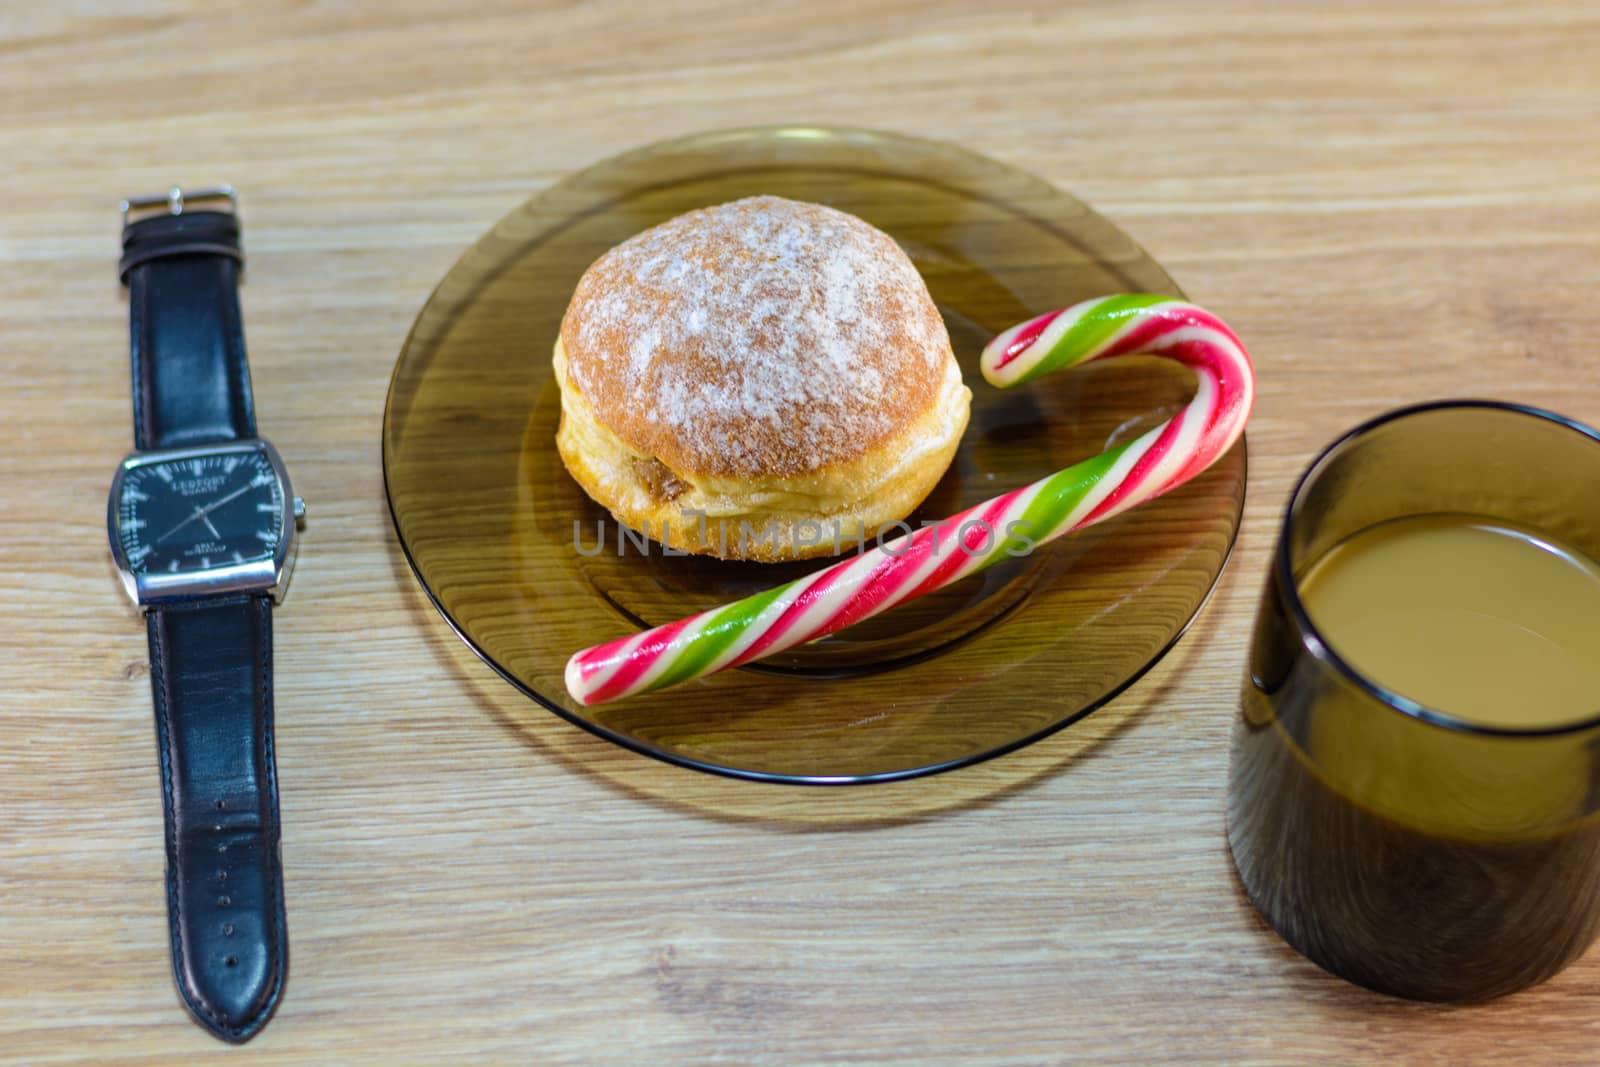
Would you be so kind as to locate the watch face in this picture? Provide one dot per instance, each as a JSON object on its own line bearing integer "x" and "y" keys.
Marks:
{"x": 192, "y": 514}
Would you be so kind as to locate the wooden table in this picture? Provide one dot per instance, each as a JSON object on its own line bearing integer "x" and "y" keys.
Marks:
{"x": 1390, "y": 201}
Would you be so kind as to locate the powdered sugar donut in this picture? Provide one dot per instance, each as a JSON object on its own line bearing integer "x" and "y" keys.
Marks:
{"x": 765, "y": 379}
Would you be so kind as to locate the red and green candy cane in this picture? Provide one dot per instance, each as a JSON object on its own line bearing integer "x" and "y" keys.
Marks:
{"x": 934, "y": 556}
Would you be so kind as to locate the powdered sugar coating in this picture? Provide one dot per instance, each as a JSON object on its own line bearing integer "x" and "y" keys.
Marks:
{"x": 762, "y": 336}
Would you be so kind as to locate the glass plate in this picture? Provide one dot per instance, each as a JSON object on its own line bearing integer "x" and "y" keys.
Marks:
{"x": 491, "y": 522}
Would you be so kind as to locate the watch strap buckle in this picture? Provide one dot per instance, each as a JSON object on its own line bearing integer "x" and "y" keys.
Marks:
{"x": 175, "y": 200}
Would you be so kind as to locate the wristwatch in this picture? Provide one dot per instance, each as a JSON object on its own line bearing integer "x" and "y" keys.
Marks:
{"x": 202, "y": 523}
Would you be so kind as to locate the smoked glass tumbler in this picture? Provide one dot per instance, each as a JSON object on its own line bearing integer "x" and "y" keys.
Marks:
{"x": 1393, "y": 844}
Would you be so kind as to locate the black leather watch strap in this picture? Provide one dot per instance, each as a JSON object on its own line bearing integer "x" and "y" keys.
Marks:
{"x": 191, "y": 384}
{"x": 211, "y": 675}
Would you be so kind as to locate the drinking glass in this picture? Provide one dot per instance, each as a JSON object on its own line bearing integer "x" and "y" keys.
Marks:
{"x": 1394, "y": 844}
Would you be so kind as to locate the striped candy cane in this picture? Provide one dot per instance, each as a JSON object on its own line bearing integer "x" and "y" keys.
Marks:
{"x": 934, "y": 556}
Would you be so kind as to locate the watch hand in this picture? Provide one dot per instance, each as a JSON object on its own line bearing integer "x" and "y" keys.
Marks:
{"x": 181, "y": 525}
{"x": 200, "y": 513}
{"x": 243, "y": 489}
{"x": 214, "y": 531}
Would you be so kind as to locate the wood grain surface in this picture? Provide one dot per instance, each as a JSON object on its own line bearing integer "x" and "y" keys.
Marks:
{"x": 1390, "y": 202}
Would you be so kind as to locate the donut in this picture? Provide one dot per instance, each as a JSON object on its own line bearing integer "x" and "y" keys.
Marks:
{"x": 765, "y": 379}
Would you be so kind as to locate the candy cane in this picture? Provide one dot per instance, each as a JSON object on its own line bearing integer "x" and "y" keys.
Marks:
{"x": 934, "y": 556}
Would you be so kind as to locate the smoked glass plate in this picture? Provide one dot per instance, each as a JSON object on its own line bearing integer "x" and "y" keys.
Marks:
{"x": 506, "y": 545}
